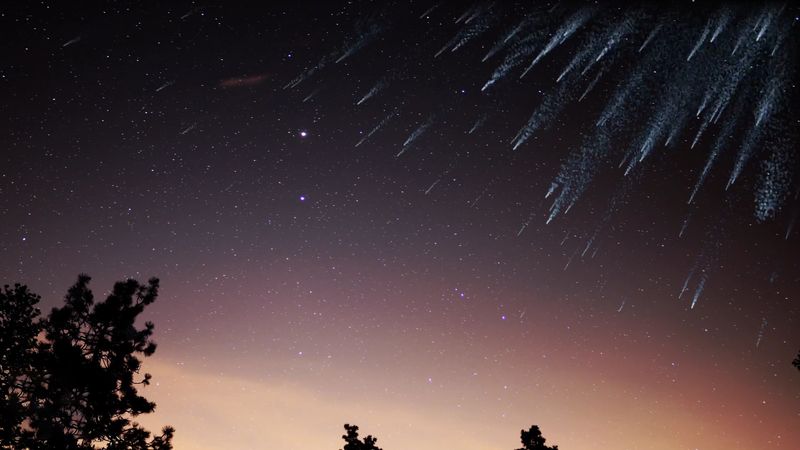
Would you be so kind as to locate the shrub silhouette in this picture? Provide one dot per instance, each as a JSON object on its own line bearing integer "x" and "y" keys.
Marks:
{"x": 69, "y": 381}
{"x": 353, "y": 443}
{"x": 533, "y": 440}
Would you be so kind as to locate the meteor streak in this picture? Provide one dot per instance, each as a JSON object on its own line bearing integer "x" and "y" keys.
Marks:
{"x": 377, "y": 127}
{"x": 563, "y": 33}
{"x": 418, "y": 132}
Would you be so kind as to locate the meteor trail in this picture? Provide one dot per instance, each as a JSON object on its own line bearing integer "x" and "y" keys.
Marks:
{"x": 650, "y": 37}
{"x": 466, "y": 34}
{"x": 591, "y": 85}
{"x": 375, "y": 89}
{"x": 686, "y": 283}
{"x": 478, "y": 124}
{"x": 563, "y": 33}
{"x": 309, "y": 72}
{"x": 516, "y": 56}
{"x": 791, "y": 225}
{"x": 761, "y": 331}
{"x": 377, "y": 127}
{"x": 74, "y": 40}
{"x": 684, "y": 226}
{"x": 765, "y": 107}
{"x": 465, "y": 14}
{"x": 540, "y": 118}
{"x": 188, "y": 129}
{"x": 365, "y": 38}
{"x": 724, "y": 18}
{"x": 500, "y": 44}
{"x": 430, "y": 188}
{"x": 428, "y": 11}
{"x": 698, "y": 291}
{"x": 418, "y": 132}
{"x": 311, "y": 95}
{"x": 698, "y": 44}
{"x": 569, "y": 261}
{"x": 719, "y": 145}
{"x": 164, "y": 86}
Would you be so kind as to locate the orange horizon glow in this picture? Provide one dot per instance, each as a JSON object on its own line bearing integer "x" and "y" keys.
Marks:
{"x": 213, "y": 409}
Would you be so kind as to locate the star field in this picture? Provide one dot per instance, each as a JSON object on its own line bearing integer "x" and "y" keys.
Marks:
{"x": 412, "y": 217}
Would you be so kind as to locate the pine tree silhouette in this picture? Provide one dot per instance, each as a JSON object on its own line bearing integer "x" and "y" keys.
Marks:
{"x": 69, "y": 381}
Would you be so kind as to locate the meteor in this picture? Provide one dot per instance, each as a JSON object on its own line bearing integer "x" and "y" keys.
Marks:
{"x": 377, "y": 127}
{"x": 417, "y": 133}
{"x": 74, "y": 40}
{"x": 563, "y": 33}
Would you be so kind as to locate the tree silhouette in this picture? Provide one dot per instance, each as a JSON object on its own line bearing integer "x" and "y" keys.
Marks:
{"x": 796, "y": 361}
{"x": 533, "y": 440}
{"x": 69, "y": 381}
{"x": 353, "y": 443}
{"x": 18, "y": 331}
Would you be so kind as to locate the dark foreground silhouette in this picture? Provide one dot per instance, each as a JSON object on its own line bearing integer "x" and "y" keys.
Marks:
{"x": 796, "y": 361}
{"x": 354, "y": 443}
{"x": 69, "y": 380}
{"x": 532, "y": 439}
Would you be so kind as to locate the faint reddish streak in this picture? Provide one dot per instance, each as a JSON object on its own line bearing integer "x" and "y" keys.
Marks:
{"x": 243, "y": 81}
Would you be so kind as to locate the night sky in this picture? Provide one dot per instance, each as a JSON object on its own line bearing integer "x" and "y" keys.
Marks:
{"x": 346, "y": 206}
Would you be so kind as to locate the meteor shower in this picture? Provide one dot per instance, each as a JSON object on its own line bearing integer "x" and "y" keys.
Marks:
{"x": 400, "y": 225}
